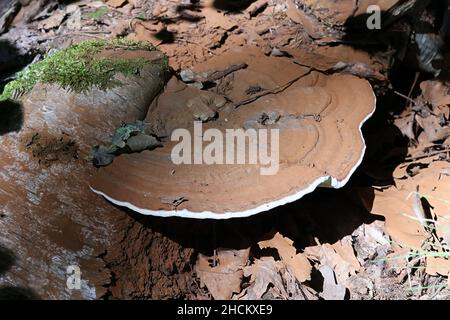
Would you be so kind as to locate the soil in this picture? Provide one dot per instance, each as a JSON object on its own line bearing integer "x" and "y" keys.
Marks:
{"x": 50, "y": 219}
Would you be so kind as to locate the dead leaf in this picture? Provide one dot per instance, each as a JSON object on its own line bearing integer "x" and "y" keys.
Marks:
{"x": 396, "y": 206}
{"x": 298, "y": 264}
{"x": 406, "y": 126}
{"x": 433, "y": 129}
{"x": 331, "y": 290}
{"x": 262, "y": 273}
{"x": 341, "y": 267}
{"x": 300, "y": 17}
{"x": 256, "y": 7}
{"x": 339, "y": 256}
{"x": 344, "y": 248}
{"x": 393, "y": 205}
{"x": 436, "y": 92}
{"x": 116, "y": 3}
{"x": 372, "y": 231}
{"x": 215, "y": 18}
{"x": 147, "y": 31}
{"x": 438, "y": 266}
{"x": 398, "y": 260}
{"x": 224, "y": 279}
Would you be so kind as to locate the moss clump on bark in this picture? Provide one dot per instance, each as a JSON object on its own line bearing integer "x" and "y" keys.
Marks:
{"x": 75, "y": 68}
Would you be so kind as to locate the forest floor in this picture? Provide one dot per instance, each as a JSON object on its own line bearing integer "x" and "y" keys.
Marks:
{"x": 385, "y": 235}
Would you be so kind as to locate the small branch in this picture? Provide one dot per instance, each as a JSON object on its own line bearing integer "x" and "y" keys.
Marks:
{"x": 92, "y": 34}
{"x": 273, "y": 91}
{"x": 416, "y": 78}
{"x": 405, "y": 97}
{"x": 429, "y": 155}
{"x": 216, "y": 75}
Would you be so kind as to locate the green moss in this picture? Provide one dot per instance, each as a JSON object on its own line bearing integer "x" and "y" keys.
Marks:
{"x": 75, "y": 68}
{"x": 98, "y": 14}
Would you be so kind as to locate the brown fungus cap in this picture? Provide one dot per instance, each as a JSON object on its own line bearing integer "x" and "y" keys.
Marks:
{"x": 318, "y": 118}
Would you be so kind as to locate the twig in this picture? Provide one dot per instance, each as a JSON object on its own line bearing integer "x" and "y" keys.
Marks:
{"x": 429, "y": 155}
{"x": 405, "y": 97}
{"x": 215, "y": 259}
{"x": 408, "y": 271}
{"x": 416, "y": 78}
{"x": 418, "y": 208}
{"x": 256, "y": 7}
{"x": 92, "y": 34}
{"x": 273, "y": 91}
{"x": 216, "y": 75}
{"x": 438, "y": 290}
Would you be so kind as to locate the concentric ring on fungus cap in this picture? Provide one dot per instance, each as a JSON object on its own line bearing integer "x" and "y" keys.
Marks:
{"x": 312, "y": 153}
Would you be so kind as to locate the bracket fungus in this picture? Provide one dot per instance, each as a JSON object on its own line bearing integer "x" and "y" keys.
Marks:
{"x": 316, "y": 117}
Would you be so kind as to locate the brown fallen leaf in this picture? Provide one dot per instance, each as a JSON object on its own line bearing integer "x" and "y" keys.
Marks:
{"x": 433, "y": 129}
{"x": 438, "y": 266}
{"x": 398, "y": 260}
{"x": 256, "y": 7}
{"x": 344, "y": 248}
{"x": 263, "y": 273}
{"x": 331, "y": 290}
{"x": 436, "y": 92}
{"x": 116, "y": 3}
{"x": 339, "y": 256}
{"x": 396, "y": 205}
{"x": 406, "y": 126}
{"x": 300, "y": 17}
{"x": 215, "y": 18}
{"x": 225, "y": 278}
{"x": 147, "y": 31}
{"x": 297, "y": 263}
{"x": 341, "y": 267}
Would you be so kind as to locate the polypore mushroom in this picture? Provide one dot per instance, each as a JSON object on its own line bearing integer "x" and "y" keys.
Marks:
{"x": 318, "y": 119}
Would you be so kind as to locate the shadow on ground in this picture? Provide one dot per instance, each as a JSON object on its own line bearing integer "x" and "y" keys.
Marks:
{"x": 8, "y": 292}
{"x": 420, "y": 37}
{"x": 17, "y": 293}
{"x": 7, "y": 260}
{"x": 11, "y": 117}
{"x": 232, "y": 5}
{"x": 326, "y": 216}
{"x": 11, "y": 113}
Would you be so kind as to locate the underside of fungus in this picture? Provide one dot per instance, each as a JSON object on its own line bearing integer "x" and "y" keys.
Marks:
{"x": 318, "y": 117}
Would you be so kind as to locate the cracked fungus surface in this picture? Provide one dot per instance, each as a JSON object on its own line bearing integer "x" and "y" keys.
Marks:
{"x": 311, "y": 152}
